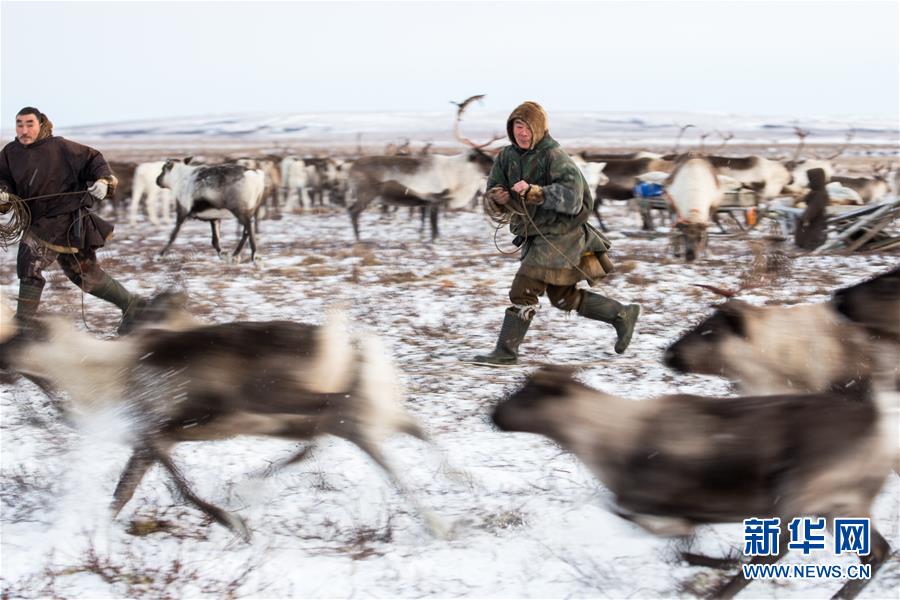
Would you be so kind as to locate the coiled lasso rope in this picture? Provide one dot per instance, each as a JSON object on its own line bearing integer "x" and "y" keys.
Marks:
{"x": 16, "y": 220}
{"x": 502, "y": 218}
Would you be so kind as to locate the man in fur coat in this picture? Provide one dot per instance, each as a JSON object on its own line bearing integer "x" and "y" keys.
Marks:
{"x": 537, "y": 188}
{"x": 63, "y": 225}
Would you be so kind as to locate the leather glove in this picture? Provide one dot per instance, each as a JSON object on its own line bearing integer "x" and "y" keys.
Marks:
{"x": 98, "y": 189}
{"x": 534, "y": 195}
{"x": 498, "y": 195}
{"x": 5, "y": 204}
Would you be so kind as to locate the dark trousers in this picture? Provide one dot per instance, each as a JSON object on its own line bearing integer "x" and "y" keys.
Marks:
{"x": 525, "y": 291}
{"x": 82, "y": 268}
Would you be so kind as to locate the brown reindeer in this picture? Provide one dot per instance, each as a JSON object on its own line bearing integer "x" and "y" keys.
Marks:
{"x": 190, "y": 382}
{"x": 431, "y": 182}
{"x": 800, "y": 348}
{"x": 675, "y": 462}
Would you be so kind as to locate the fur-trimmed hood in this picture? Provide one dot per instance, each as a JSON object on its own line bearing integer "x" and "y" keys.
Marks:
{"x": 536, "y": 117}
{"x": 46, "y": 129}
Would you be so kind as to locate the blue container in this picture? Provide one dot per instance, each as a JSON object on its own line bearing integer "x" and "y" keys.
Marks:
{"x": 648, "y": 190}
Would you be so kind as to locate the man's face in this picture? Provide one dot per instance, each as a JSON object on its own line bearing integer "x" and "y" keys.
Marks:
{"x": 522, "y": 133}
{"x": 27, "y": 129}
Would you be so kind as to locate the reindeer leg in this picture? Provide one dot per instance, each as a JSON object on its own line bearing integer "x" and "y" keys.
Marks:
{"x": 880, "y": 551}
{"x": 712, "y": 562}
{"x": 253, "y": 240}
{"x": 134, "y": 205}
{"x": 433, "y": 210}
{"x": 354, "y": 220}
{"x": 140, "y": 462}
{"x": 246, "y": 234}
{"x": 214, "y": 226}
{"x": 294, "y": 458}
{"x": 179, "y": 221}
{"x": 437, "y": 527}
{"x": 229, "y": 520}
{"x": 737, "y": 583}
{"x": 714, "y": 215}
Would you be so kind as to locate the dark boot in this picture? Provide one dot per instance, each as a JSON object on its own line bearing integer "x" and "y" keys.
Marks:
{"x": 623, "y": 318}
{"x": 131, "y": 316}
{"x": 512, "y": 332}
{"x": 114, "y": 292}
{"x": 29, "y": 299}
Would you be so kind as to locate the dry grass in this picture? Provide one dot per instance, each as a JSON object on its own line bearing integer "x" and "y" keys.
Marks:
{"x": 130, "y": 576}
{"x": 497, "y": 522}
{"x": 398, "y": 277}
{"x": 770, "y": 266}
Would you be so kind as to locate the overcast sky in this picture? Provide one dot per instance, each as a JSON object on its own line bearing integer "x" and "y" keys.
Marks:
{"x": 92, "y": 62}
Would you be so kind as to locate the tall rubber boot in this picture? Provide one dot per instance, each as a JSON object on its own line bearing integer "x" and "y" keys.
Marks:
{"x": 623, "y": 318}
{"x": 130, "y": 304}
{"x": 512, "y": 332}
{"x": 29, "y": 300}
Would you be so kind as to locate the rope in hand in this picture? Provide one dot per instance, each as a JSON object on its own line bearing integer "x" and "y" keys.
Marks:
{"x": 502, "y": 218}
{"x": 19, "y": 220}
{"x": 13, "y": 228}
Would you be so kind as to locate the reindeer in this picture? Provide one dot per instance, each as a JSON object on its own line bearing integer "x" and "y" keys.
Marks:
{"x": 604, "y": 156}
{"x": 181, "y": 381}
{"x": 767, "y": 177}
{"x": 694, "y": 193}
{"x": 800, "y": 348}
{"x": 157, "y": 200}
{"x": 869, "y": 189}
{"x": 799, "y": 166}
{"x": 211, "y": 193}
{"x": 124, "y": 172}
{"x": 269, "y": 166}
{"x": 431, "y": 182}
{"x": 678, "y": 461}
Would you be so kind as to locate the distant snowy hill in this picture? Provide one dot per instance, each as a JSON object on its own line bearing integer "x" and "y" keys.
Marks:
{"x": 574, "y": 128}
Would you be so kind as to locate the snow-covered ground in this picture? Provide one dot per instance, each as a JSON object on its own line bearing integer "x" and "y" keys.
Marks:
{"x": 525, "y": 518}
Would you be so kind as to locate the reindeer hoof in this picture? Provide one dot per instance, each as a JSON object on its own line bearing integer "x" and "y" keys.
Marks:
{"x": 239, "y": 527}
{"x": 437, "y": 527}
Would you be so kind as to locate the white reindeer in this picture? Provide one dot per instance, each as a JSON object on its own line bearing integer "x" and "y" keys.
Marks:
{"x": 158, "y": 200}
{"x": 694, "y": 191}
{"x": 211, "y": 193}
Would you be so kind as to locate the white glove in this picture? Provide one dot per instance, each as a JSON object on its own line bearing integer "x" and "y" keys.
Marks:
{"x": 98, "y": 189}
{"x": 4, "y": 197}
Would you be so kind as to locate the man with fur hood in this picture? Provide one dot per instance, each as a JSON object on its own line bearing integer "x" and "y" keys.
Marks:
{"x": 65, "y": 179}
{"x": 811, "y": 226}
{"x": 537, "y": 188}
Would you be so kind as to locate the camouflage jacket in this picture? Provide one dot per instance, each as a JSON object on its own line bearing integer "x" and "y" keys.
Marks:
{"x": 556, "y": 233}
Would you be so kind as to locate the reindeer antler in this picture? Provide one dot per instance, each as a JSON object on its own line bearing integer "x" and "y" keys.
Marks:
{"x": 465, "y": 104}
{"x": 459, "y": 113}
{"x": 850, "y": 135}
{"x": 725, "y": 138}
{"x": 800, "y": 133}
{"x": 682, "y": 129}
{"x": 703, "y": 137}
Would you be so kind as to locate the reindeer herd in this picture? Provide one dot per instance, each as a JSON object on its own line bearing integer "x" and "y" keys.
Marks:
{"x": 816, "y": 431}
{"x": 694, "y": 183}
